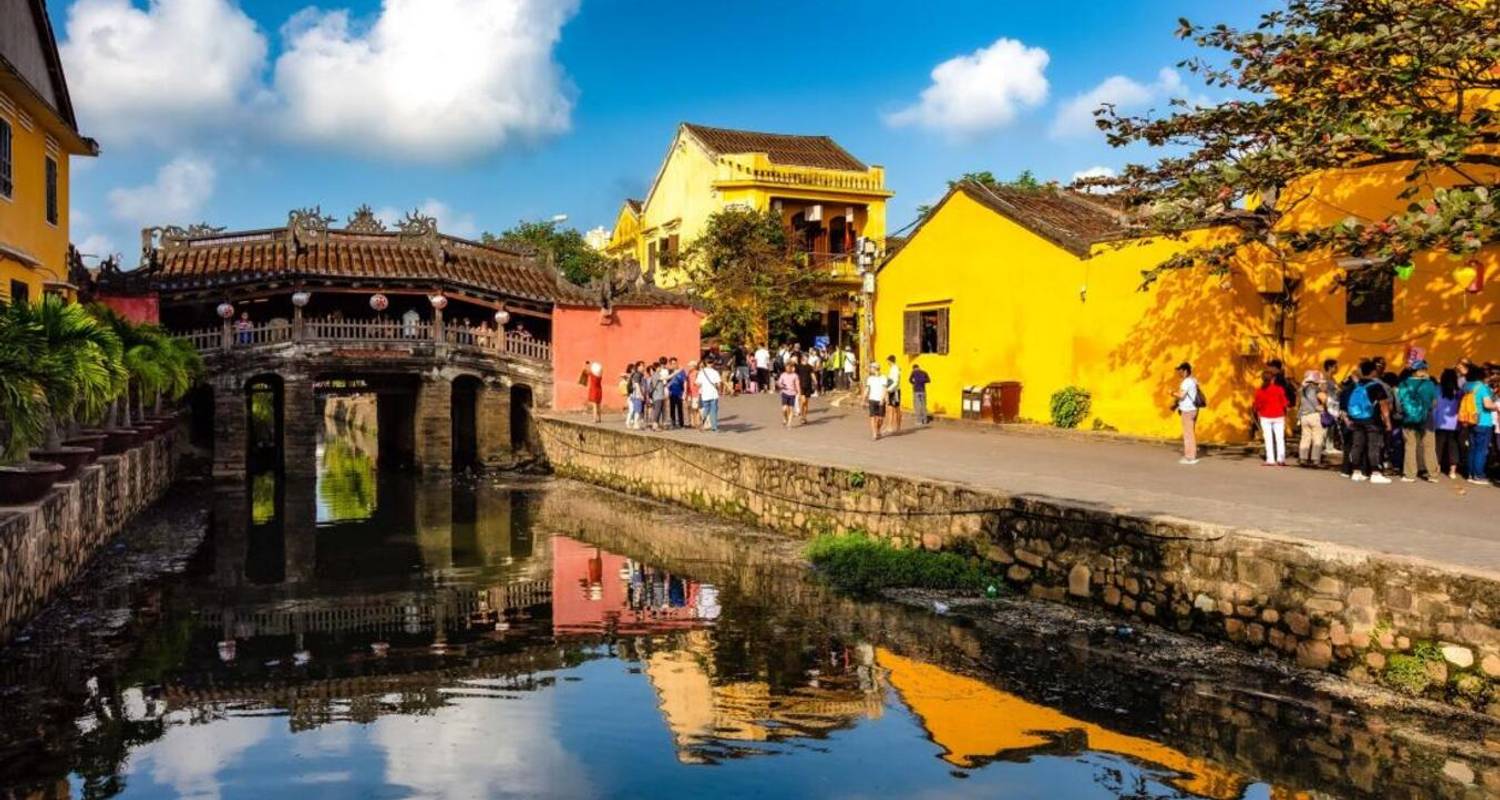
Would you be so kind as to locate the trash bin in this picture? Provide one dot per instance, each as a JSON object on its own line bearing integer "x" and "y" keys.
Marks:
{"x": 1002, "y": 402}
{"x": 972, "y": 402}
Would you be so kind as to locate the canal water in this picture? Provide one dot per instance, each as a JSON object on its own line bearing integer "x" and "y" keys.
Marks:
{"x": 377, "y": 635}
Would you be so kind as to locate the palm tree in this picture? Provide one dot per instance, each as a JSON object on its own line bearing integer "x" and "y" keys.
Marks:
{"x": 23, "y": 381}
{"x": 88, "y": 353}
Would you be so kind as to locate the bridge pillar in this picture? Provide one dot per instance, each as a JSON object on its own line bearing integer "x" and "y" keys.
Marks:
{"x": 434, "y": 423}
{"x": 300, "y": 424}
{"x": 492, "y": 424}
{"x": 230, "y": 432}
{"x": 299, "y": 525}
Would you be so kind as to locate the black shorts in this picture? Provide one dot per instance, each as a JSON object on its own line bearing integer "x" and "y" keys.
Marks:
{"x": 789, "y": 400}
{"x": 895, "y": 397}
{"x": 877, "y": 408}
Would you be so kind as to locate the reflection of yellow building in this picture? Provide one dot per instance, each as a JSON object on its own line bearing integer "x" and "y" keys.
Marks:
{"x": 975, "y": 723}
{"x": 1042, "y": 287}
{"x": 38, "y": 133}
{"x": 701, "y": 712}
{"x": 826, "y": 197}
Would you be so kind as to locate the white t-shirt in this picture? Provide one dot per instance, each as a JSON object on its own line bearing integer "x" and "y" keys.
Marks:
{"x": 875, "y": 389}
{"x": 708, "y": 383}
{"x": 1189, "y": 389}
{"x": 894, "y": 375}
{"x": 762, "y": 359}
{"x": 849, "y": 362}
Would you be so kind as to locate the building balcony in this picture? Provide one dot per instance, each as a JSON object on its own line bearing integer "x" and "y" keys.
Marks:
{"x": 511, "y": 344}
{"x": 735, "y": 175}
{"x": 839, "y": 268}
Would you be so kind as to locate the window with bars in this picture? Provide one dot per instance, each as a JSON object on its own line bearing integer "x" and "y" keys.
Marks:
{"x": 926, "y": 332}
{"x": 51, "y": 190}
{"x": 1370, "y": 298}
{"x": 7, "y": 182}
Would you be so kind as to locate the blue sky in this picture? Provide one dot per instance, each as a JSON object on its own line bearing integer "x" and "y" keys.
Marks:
{"x": 484, "y": 112}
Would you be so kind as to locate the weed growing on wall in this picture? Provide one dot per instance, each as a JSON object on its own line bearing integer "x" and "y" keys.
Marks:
{"x": 862, "y": 566}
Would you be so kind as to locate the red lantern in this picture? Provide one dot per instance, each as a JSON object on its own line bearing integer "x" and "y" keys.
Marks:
{"x": 379, "y": 302}
{"x": 1477, "y": 285}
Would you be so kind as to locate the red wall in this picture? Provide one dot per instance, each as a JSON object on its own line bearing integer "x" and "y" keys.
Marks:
{"x": 138, "y": 309}
{"x": 634, "y": 334}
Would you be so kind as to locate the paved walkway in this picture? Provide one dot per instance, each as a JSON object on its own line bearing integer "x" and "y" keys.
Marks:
{"x": 1450, "y": 522}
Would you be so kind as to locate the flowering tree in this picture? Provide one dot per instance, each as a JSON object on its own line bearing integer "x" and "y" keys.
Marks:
{"x": 1326, "y": 85}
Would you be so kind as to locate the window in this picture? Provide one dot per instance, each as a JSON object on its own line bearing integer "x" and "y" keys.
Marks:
{"x": 926, "y": 332}
{"x": 51, "y": 191}
{"x": 19, "y": 292}
{"x": 1369, "y": 297}
{"x": 7, "y": 182}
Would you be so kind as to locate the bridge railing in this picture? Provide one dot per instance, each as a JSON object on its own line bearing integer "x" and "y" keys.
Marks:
{"x": 209, "y": 341}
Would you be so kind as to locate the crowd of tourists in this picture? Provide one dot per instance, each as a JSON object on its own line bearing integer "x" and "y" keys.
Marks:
{"x": 1420, "y": 424}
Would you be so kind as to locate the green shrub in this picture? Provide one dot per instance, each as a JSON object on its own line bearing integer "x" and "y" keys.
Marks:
{"x": 863, "y": 566}
{"x": 1070, "y": 406}
{"x": 1407, "y": 674}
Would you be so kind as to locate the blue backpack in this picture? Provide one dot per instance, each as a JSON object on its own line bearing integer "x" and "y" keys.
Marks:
{"x": 1359, "y": 407}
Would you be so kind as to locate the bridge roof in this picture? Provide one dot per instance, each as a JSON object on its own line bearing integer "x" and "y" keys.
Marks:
{"x": 180, "y": 260}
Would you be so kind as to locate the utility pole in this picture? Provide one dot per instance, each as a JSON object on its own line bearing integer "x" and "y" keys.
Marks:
{"x": 867, "y": 252}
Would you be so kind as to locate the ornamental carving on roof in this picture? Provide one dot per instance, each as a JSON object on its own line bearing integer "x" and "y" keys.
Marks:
{"x": 308, "y": 224}
{"x": 363, "y": 220}
{"x": 422, "y": 231}
{"x": 169, "y": 237}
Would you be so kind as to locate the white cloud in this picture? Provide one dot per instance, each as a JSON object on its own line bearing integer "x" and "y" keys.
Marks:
{"x": 451, "y": 222}
{"x": 429, "y": 80}
{"x": 1076, "y": 117}
{"x": 1094, "y": 172}
{"x": 979, "y": 92}
{"x": 181, "y": 188}
{"x": 160, "y": 73}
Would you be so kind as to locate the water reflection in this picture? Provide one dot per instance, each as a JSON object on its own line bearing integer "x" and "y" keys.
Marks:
{"x": 454, "y": 640}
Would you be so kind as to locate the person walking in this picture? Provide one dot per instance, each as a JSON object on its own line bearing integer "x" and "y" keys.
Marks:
{"x": 1369, "y": 413}
{"x": 1186, "y": 400}
{"x": 1445, "y": 423}
{"x": 1336, "y": 440}
{"x": 1312, "y": 404}
{"x": 876, "y": 393}
{"x": 594, "y": 380}
{"x": 807, "y": 383}
{"x": 1479, "y": 405}
{"x": 629, "y": 386}
{"x": 694, "y": 401}
{"x": 676, "y": 388}
{"x": 1270, "y": 410}
{"x": 789, "y": 387}
{"x": 658, "y": 387}
{"x": 762, "y": 369}
{"x": 919, "y": 380}
{"x": 1418, "y": 395}
{"x": 851, "y": 367}
{"x": 708, "y": 390}
{"x": 893, "y": 398}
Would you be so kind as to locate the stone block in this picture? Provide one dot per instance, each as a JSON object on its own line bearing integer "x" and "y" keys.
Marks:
{"x": 1078, "y": 581}
{"x": 1028, "y": 558}
{"x": 1490, "y": 665}
{"x": 1361, "y": 597}
{"x": 1298, "y": 623}
{"x": 1458, "y": 655}
{"x": 1314, "y": 654}
{"x": 1018, "y": 573}
{"x": 1323, "y": 605}
{"x": 1112, "y": 595}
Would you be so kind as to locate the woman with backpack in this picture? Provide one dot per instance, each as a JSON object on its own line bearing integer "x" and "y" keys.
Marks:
{"x": 1477, "y": 410}
{"x": 1312, "y": 406}
{"x": 1417, "y": 396}
{"x": 1270, "y": 409}
{"x": 1445, "y": 423}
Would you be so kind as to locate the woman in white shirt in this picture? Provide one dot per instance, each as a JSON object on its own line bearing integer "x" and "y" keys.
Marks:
{"x": 708, "y": 395}
{"x": 875, "y": 394}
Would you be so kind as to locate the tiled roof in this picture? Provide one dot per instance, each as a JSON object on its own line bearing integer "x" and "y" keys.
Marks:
{"x": 781, "y": 148}
{"x": 1068, "y": 219}
{"x": 635, "y": 205}
{"x": 248, "y": 257}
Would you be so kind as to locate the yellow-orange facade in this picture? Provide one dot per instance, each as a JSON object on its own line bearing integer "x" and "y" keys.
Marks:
{"x": 1042, "y": 290}
{"x": 38, "y": 135}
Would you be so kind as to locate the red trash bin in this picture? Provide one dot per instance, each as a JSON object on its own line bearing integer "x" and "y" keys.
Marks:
{"x": 1006, "y": 405}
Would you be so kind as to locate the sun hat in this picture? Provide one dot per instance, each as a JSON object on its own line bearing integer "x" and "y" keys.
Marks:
{"x": 1312, "y": 376}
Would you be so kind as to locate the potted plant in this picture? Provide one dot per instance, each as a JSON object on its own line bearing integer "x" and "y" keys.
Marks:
{"x": 87, "y": 352}
{"x": 24, "y": 375}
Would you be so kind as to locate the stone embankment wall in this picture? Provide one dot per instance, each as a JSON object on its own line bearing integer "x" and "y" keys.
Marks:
{"x": 43, "y": 546}
{"x": 1416, "y": 627}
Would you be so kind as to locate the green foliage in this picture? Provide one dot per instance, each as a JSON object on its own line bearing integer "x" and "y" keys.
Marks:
{"x": 1408, "y": 673}
{"x": 1101, "y": 425}
{"x": 860, "y": 565}
{"x": 1070, "y": 406}
{"x": 567, "y": 248}
{"x": 347, "y": 484}
{"x": 744, "y": 268}
{"x": 857, "y": 479}
{"x": 1025, "y": 181}
{"x": 1324, "y": 85}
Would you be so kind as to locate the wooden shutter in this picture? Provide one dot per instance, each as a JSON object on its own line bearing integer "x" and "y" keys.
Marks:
{"x": 913, "y": 322}
{"x": 942, "y": 331}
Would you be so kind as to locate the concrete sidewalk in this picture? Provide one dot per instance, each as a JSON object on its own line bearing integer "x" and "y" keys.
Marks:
{"x": 1450, "y": 522}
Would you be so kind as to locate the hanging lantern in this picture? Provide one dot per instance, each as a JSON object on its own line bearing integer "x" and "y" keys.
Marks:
{"x": 1477, "y": 284}
{"x": 1467, "y": 275}
{"x": 379, "y": 302}
{"x": 1404, "y": 271}
{"x": 501, "y": 317}
{"x": 299, "y": 299}
{"x": 439, "y": 301}
{"x": 225, "y": 310}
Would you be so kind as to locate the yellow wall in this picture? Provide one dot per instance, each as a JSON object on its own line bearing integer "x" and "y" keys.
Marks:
{"x": 693, "y": 185}
{"x": 1017, "y": 311}
{"x": 23, "y": 221}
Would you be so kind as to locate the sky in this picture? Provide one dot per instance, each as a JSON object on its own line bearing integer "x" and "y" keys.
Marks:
{"x": 484, "y": 113}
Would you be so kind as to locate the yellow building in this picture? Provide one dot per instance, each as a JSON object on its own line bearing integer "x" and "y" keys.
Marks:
{"x": 1042, "y": 287}
{"x": 38, "y": 133}
{"x": 827, "y": 198}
